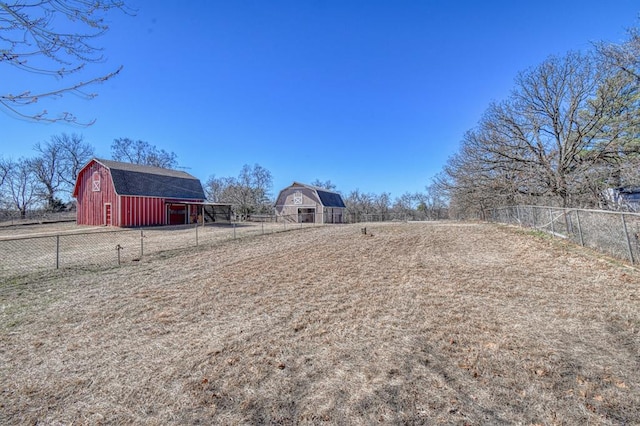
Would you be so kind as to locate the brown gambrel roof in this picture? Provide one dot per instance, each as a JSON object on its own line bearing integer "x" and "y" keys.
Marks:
{"x": 148, "y": 181}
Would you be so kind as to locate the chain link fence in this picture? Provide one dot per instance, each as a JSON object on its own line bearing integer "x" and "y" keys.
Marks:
{"x": 12, "y": 217}
{"x": 350, "y": 217}
{"x": 614, "y": 233}
{"x": 107, "y": 248}
{"x": 111, "y": 247}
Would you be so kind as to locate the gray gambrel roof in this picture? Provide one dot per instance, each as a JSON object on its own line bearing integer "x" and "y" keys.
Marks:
{"x": 330, "y": 199}
{"x": 148, "y": 181}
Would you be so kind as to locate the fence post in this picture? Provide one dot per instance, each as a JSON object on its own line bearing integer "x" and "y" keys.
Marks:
{"x": 568, "y": 222}
{"x": 626, "y": 234}
{"x": 234, "y": 231}
{"x": 262, "y": 228}
{"x": 141, "y": 243}
{"x": 579, "y": 228}
{"x": 518, "y": 215}
{"x": 196, "y": 235}
{"x": 553, "y": 231}
{"x": 533, "y": 217}
{"x": 57, "y": 251}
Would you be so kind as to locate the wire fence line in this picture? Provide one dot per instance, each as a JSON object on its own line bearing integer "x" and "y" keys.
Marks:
{"x": 106, "y": 248}
{"x": 614, "y": 233}
{"x": 354, "y": 217}
{"x": 358, "y": 217}
{"x": 13, "y": 218}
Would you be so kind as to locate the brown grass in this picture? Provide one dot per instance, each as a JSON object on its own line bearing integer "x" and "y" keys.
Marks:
{"x": 415, "y": 324}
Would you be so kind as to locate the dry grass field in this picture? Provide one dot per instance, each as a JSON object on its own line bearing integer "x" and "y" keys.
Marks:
{"x": 436, "y": 323}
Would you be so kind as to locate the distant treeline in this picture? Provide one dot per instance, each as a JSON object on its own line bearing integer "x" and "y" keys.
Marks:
{"x": 45, "y": 183}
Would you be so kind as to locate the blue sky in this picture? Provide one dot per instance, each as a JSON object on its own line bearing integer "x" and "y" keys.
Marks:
{"x": 372, "y": 95}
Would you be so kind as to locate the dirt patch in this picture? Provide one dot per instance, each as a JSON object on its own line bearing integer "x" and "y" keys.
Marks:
{"x": 411, "y": 323}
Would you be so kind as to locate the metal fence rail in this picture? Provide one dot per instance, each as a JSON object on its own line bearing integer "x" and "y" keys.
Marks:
{"x": 614, "y": 233}
{"x": 106, "y": 248}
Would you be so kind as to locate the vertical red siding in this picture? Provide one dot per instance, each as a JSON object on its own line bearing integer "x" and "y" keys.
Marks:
{"x": 90, "y": 208}
{"x": 142, "y": 211}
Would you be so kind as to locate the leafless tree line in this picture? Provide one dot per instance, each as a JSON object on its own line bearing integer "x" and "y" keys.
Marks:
{"x": 566, "y": 134}
{"x": 250, "y": 193}
{"x": 46, "y": 180}
{"x": 427, "y": 205}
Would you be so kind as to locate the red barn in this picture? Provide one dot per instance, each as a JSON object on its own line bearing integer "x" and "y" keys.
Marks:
{"x": 112, "y": 193}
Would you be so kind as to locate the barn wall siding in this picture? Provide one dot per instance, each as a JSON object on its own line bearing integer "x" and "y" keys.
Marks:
{"x": 90, "y": 207}
{"x": 309, "y": 201}
{"x": 142, "y": 211}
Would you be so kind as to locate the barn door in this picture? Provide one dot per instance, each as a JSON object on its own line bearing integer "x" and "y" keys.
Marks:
{"x": 306, "y": 215}
{"x": 178, "y": 214}
{"x": 107, "y": 214}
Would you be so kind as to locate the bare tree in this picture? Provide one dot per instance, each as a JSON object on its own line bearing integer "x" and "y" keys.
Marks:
{"x": 253, "y": 189}
{"x": 215, "y": 188}
{"x": 327, "y": 184}
{"x": 359, "y": 204}
{"x": 259, "y": 179}
{"x": 564, "y": 120}
{"x": 24, "y": 189}
{"x": 405, "y": 204}
{"x": 382, "y": 204}
{"x": 248, "y": 193}
{"x": 625, "y": 56}
{"x": 46, "y": 168}
{"x": 432, "y": 203}
{"x": 141, "y": 152}
{"x": 57, "y": 164}
{"x": 474, "y": 180}
{"x": 34, "y": 42}
{"x": 5, "y": 169}
{"x": 75, "y": 154}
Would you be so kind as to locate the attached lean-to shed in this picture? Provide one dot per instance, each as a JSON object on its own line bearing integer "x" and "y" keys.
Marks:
{"x": 303, "y": 203}
{"x": 113, "y": 193}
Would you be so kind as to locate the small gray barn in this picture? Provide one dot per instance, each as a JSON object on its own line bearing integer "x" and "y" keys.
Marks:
{"x": 303, "y": 203}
